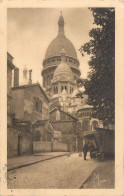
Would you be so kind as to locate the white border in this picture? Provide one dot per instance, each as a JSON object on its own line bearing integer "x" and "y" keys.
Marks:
{"x": 119, "y": 5}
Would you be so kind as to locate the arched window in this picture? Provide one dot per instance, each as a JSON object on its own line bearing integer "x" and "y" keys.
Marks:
{"x": 54, "y": 90}
{"x": 48, "y": 80}
{"x": 61, "y": 88}
{"x": 36, "y": 104}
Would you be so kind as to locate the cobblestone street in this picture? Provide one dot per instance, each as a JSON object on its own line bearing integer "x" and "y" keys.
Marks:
{"x": 62, "y": 173}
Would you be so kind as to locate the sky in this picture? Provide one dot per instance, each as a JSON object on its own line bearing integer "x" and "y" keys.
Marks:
{"x": 30, "y": 31}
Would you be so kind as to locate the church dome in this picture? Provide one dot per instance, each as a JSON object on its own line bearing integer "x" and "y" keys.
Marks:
{"x": 63, "y": 71}
{"x": 55, "y": 47}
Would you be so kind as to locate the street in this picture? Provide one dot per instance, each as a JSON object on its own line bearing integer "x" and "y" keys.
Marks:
{"x": 60, "y": 173}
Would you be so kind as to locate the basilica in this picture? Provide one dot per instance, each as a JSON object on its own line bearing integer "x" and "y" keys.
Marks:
{"x": 61, "y": 70}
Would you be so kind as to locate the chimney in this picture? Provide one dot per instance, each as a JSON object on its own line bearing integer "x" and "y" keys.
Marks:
{"x": 16, "y": 76}
{"x": 30, "y": 76}
{"x": 25, "y": 73}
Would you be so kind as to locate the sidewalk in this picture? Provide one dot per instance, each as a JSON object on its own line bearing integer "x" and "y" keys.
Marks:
{"x": 18, "y": 162}
{"x": 103, "y": 177}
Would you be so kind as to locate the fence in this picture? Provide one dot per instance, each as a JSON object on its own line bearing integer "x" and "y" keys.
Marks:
{"x": 49, "y": 147}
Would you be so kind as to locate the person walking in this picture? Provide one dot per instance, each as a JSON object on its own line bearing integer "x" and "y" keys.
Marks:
{"x": 85, "y": 149}
{"x": 92, "y": 148}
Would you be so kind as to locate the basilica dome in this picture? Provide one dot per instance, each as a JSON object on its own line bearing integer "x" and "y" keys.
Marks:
{"x": 53, "y": 59}
{"x": 63, "y": 71}
{"x": 55, "y": 47}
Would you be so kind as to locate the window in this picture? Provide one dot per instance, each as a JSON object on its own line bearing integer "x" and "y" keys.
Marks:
{"x": 37, "y": 104}
{"x": 48, "y": 80}
{"x": 53, "y": 60}
{"x": 49, "y": 137}
{"x": 62, "y": 88}
{"x": 54, "y": 90}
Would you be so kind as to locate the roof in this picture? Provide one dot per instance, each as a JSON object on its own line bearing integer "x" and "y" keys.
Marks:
{"x": 40, "y": 122}
{"x": 63, "y": 112}
{"x": 55, "y": 47}
{"x": 31, "y": 85}
{"x": 85, "y": 107}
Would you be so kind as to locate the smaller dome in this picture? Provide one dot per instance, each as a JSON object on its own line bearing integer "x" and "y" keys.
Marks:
{"x": 63, "y": 71}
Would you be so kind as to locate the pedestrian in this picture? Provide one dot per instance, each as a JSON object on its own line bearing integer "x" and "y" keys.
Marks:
{"x": 85, "y": 149}
{"x": 92, "y": 148}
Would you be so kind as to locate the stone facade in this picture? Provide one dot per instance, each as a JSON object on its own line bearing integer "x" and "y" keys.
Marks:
{"x": 19, "y": 141}
{"x": 67, "y": 125}
{"x": 10, "y": 67}
{"x": 43, "y": 131}
{"x": 19, "y": 137}
{"x": 32, "y": 102}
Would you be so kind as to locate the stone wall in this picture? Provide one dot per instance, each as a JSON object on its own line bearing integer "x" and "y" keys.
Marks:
{"x": 49, "y": 147}
{"x": 13, "y": 135}
{"x": 18, "y": 103}
{"x": 24, "y": 98}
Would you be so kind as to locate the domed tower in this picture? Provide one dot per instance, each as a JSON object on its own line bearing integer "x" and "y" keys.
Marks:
{"x": 63, "y": 83}
{"x": 53, "y": 56}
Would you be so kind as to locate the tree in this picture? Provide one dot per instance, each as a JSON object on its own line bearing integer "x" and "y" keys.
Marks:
{"x": 100, "y": 86}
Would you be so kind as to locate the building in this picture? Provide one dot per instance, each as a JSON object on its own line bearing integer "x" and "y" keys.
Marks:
{"x": 33, "y": 107}
{"x": 33, "y": 103}
{"x": 10, "y": 67}
{"x": 19, "y": 136}
{"x": 67, "y": 125}
{"x": 62, "y": 83}
{"x": 43, "y": 130}
{"x": 53, "y": 56}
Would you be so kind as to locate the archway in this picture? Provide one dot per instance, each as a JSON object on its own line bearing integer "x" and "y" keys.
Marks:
{"x": 94, "y": 125}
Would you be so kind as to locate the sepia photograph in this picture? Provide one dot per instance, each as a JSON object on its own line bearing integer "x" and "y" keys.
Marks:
{"x": 61, "y": 98}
